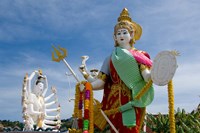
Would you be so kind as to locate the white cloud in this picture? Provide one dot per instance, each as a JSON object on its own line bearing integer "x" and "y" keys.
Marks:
{"x": 25, "y": 19}
{"x": 171, "y": 24}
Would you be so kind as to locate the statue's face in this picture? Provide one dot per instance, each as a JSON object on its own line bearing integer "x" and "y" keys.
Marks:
{"x": 39, "y": 88}
{"x": 123, "y": 37}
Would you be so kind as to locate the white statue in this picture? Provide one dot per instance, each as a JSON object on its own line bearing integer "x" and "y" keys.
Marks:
{"x": 37, "y": 106}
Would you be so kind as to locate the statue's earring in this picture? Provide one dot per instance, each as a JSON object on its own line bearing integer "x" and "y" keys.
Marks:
{"x": 114, "y": 37}
{"x": 132, "y": 35}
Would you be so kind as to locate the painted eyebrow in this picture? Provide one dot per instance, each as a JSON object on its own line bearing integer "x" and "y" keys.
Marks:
{"x": 122, "y": 31}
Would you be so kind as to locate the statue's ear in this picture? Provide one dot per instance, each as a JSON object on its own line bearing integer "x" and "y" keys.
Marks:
{"x": 114, "y": 37}
{"x": 132, "y": 35}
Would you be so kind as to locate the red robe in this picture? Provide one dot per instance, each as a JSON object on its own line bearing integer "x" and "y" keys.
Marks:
{"x": 117, "y": 94}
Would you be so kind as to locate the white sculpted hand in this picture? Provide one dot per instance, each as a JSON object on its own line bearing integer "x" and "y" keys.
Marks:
{"x": 82, "y": 87}
{"x": 82, "y": 68}
{"x": 53, "y": 89}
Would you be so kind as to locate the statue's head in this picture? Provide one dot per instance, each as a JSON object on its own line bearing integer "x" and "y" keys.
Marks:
{"x": 126, "y": 31}
{"x": 39, "y": 86}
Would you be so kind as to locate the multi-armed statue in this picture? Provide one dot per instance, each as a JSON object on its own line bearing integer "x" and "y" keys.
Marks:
{"x": 36, "y": 106}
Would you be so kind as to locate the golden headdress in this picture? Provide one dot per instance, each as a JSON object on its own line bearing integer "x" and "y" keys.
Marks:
{"x": 124, "y": 17}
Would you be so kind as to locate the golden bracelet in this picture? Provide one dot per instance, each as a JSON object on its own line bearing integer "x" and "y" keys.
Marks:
{"x": 102, "y": 76}
{"x": 143, "y": 67}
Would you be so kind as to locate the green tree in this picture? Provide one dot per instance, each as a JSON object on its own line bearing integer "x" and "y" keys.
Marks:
{"x": 185, "y": 122}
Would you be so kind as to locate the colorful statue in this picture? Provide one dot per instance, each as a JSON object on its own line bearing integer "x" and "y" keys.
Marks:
{"x": 123, "y": 75}
{"x": 36, "y": 105}
{"x": 126, "y": 77}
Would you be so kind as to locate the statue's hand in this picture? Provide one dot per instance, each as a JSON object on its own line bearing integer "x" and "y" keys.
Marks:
{"x": 36, "y": 71}
{"x": 175, "y": 53}
{"x": 53, "y": 89}
{"x": 45, "y": 77}
{"x": 82, "y": 68}
{"x": 58, "y": 109}
{"x": 56, "y": 100}
{"x": 58, "y": 116}
{"x": 58, "y": 122}
{"x": 82, "y": 87}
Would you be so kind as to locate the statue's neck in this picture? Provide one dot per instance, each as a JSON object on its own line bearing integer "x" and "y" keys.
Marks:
{"x": 133, "y": 48}
{"x": 128, "y": 47}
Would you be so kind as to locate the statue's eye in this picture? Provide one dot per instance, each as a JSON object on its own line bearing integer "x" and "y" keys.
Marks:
{"x": 125, "y": 32}
{"x": 118, "y": 33}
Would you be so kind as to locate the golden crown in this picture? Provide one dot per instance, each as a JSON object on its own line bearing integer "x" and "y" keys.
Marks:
{"x": 40, "y": 71}
{"x": 124, "y": 16}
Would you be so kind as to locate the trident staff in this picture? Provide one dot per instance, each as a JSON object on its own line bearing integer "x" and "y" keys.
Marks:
{"x": 62, "y": 57}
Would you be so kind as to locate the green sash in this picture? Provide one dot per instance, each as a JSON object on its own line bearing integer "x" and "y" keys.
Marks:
{"x": 129, "y": 72}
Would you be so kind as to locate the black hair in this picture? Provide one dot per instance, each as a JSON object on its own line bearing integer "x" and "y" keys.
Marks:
{"x": 38, "y": 80}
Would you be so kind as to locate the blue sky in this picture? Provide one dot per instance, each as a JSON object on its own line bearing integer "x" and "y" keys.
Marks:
{"x": 28, "y": 28}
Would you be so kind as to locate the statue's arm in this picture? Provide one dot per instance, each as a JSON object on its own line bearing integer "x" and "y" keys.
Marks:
{"x": 51, "y": 103}
{"x": 45, "y": 86}
{"x": 32, "y": 111}
{"x": 86, "y": 75}
{"x": 146, "y": 72}
{"x": 48, "y": 97}
{"x": 53, "y": 110}
{"x": 90, "y": 78}
{"x": 144, "y": 69}
{"x": 51, "y": 122}
{"x": 30, "y": 79}
{"x": 99, "y": 83}
{"x": 54, "y": 91}
{"x": 53, "y": 116}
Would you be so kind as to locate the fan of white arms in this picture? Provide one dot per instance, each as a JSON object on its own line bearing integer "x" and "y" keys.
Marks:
{"x": 39, "y": 109}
